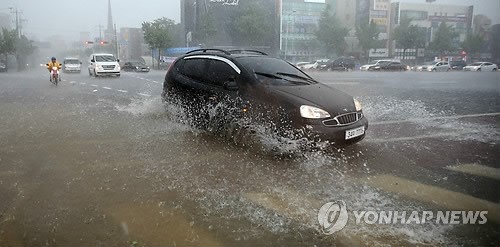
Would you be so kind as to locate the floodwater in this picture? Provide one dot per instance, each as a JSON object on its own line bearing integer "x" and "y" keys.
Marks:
{"x": 77, "y": 169}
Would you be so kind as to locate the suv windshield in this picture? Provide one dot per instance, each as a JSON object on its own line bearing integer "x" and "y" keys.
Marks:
{"x": 280, "y": 71}
{"x": 105, "y": 58}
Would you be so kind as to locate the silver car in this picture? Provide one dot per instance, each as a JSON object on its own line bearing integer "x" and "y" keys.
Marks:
{"x": 439, "y": 66}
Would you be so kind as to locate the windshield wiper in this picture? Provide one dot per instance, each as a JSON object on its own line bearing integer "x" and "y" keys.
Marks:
{"x": 270, "y": 75}
{"x": 280, "y": 78}
{"x": 297, "y": 76}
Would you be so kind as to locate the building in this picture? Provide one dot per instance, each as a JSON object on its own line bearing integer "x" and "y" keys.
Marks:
{"x": 199, "y": 15}
{"x": 130, "y": 44}
{"x": 294, "y": 23}
{"x": 298, "y": 25}
{"x": 429, "y": 16}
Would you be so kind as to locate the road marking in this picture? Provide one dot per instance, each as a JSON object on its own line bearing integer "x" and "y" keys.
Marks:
{"x": 411, "y": 138}
{"x": 343, "y": 83}
{"x": 438, "y": 82}
{"x": 108, "y": 88}
{"x": 94, "y": 85}
{"x": 431, "y": 194}
{"x": 437, "y": 118}
{"x": 477, "y": 170}
{"x": 143, "y": 94}
{"x": 83, "y": 83}
{"x": 72, "y": 82}
{"x": 95, "y": 90}
{"x": 123, "y": 91}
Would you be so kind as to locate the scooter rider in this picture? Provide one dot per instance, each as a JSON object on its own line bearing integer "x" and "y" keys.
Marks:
{"x": 51, "y": 64}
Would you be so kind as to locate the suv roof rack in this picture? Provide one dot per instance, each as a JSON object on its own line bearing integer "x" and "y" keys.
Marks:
{"x": 208, "y": 49}
{"x": 247, "y": 51}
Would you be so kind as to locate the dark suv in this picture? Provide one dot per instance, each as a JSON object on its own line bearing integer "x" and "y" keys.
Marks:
{"x": 339, "y": 64}
{"x": 256, "y": 88}
{"x": 457, "y": 64}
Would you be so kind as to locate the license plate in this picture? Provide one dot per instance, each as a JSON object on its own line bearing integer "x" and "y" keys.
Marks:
{"x": 349, "y": 134}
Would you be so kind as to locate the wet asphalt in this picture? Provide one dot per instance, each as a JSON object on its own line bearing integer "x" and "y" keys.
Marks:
{"x": 102, "y": 162}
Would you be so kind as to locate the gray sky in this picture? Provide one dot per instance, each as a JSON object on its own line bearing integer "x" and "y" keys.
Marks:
{"x": 70, "y": 17}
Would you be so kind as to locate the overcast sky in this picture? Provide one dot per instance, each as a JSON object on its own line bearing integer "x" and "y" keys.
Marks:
{"x": 69, "y": 17}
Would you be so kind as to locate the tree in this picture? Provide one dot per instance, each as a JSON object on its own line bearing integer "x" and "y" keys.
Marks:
{"x": 157, "y": 34}
{"x": 443, "y": 39}
{"x": 409, "y": 36}
{"x": 331, "y": 33}
{"x": 24, "y": 47}
{"x": 251, "y": 25}
{"x": 367, "y": 35}
{"x": 7, "y": 43}
{"x": 473, "y": 44}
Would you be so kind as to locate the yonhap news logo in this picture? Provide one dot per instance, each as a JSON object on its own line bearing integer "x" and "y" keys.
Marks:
{"x": 334, "y": 216}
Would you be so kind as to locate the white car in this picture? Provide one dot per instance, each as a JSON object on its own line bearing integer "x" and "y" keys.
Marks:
{"x": 481, "y": 66}
{"x": 422, "y": 67}
{"x": 72, "y": 65}
{"x": 103, "y": 64}
{"x": 375, "y": 63}
{"x": 315, "y": 65}
{"x": 439, "y": 66}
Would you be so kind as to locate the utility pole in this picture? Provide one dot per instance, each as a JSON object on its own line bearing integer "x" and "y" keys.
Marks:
{"x": 18, "y": 28}
{"x": 116, "y": 43}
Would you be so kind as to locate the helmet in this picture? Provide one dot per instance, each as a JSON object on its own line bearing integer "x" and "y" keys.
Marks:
{"x": 53, "y": 59}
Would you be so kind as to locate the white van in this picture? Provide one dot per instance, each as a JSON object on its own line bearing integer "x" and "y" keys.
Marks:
{"x": 103, "y": 64}
{"x": 71, "y": 64}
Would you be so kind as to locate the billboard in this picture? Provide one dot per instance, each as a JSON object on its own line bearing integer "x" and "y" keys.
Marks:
{"x": 226, "y": 2}
{"x": 381, "y": 4}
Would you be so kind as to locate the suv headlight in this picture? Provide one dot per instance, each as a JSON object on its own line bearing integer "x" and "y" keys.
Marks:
{"x": 313, "y": 112}
{"x": 357, "y": 104}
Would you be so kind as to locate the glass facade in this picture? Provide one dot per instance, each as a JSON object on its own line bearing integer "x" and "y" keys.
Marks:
{"x": 299, "y": 20}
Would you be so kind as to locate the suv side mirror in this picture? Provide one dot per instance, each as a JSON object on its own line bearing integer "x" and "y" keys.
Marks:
{"x": 118, "y": 60}
{"x": 92, "y": 60}
{"x": 231, "y": 85}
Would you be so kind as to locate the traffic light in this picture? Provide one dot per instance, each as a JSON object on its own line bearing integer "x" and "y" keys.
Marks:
{"x": 89, "y": 42}
{"x": 103, "y": 42}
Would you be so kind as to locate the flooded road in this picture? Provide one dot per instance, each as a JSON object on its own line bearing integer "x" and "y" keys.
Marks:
{"x": 101, "y": 162}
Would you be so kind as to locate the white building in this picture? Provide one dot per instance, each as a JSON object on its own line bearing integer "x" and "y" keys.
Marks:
{"x": 431, "y": 15}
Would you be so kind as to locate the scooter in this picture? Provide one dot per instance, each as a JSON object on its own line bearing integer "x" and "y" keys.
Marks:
{"x": 54, "y": 75}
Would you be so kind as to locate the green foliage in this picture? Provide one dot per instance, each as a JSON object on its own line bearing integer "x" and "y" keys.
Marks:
{"x": 157, "y": 34}
{"x": 251, "y": 25}
{"x": 24, "y": 47}
{"x": 443, "y": 39}
{"x": 409, "y": 36}
{"x": 473, "y": 43}
{"x": 11, "y": 44}
{"x": 331, "y": 33}
{"x": 367, "y": 35}
{"x": 7, "y": 42}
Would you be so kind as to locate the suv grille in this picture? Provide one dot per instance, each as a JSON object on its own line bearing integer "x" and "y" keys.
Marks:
{"x": 344, "y": 119}
{"x": 108, "y": 67}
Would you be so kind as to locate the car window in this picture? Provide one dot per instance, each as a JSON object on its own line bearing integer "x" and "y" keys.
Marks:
{"x": 193, "y": 68}
{"x": 271, "y": 66}
{"x": 219, "y": 72}
{"x": 105, "y": 58}
{"x": 72, "y": 61}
